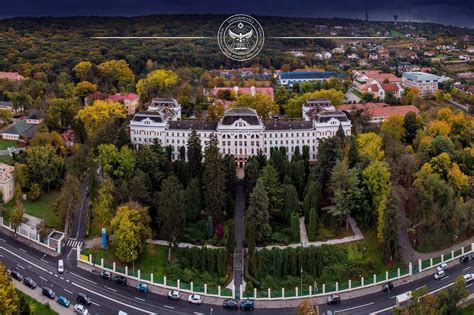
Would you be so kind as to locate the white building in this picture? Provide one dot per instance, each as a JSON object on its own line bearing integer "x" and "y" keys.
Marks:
{"x": 7, "y": 182}
{"x": 426, "y": 83}
{"x": 241, "y": 132}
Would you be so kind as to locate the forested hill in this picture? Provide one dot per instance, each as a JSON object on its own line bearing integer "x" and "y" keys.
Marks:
{"x": 60, "y": 43}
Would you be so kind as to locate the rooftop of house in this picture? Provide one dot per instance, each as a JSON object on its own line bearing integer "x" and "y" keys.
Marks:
{"x": 123, "y": 97}
{"x": 288, "y": 125}
{"x": 22, "y": 129}
{"x": 13, "y": 76}
{"x": 420, "y": 76}
{"x": 35, "y": 115}
{"x": 234, "y": 114}
{"x": 192, "y": 125}
{"x": 392, "y": 111}
{"x": 360, "y": 106}
{"x": 154, "y": 116}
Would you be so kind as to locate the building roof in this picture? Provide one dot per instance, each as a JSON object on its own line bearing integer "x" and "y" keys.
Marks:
{"x": 35, "y": 115}
{"x": 393, "y": 87}
{"x": 360, "y": 106}
{"x": 69, "y": 135}
{"x": 234, "y": 114}
{"x": 288, "y": 125}
{"x": 21, "y": 128}
{"x": 6, "y": 104}
{"x": 154, "y": 116}
{"x": 392, "y": 110}
{"x": 420, "y": 76}
{"x": 268, "y": 91}
{"x": 123, "y": 97}
{"x": 6, "y": 172}
{"x": 192, "y": 125}
{"x": 308, "y": 75}
{"x": 379, "y": 76}
{"x": 13, "y": 76}
{"x": 327, "y": 116}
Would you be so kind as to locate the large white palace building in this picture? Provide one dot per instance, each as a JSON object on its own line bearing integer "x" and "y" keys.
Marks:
{"x": 241, "y": 132}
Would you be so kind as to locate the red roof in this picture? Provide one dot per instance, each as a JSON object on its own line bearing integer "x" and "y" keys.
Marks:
{"x": 390, "y": 87}
{"x": 13, "y": 76}
{"x": 392, "y": 110}
{"x": 123, "y": 97}
{"x": 374, "y": 88}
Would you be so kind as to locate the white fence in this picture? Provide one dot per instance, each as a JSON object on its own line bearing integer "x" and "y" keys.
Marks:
{"x": 338, "y": 287}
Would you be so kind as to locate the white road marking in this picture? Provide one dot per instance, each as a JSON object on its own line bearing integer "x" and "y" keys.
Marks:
{"x": 353, "y": 308}
{"x": 68, "y": 291}
{"x": 24, "y": 251}
{"x": 110, "y": 289}
{"x": 20, "y": 266}
{"x": 56, "y": 275}
{"x": 445, "y": 278}
{"x": 1, "y": 255}
{"x": 95, "y": 304}
{"x": 50, "y": 272}
{"x": 67, "y": 280}
{"x": 437, "y": 290}
{"x": 39, "y": 267}
{"x": 83, "y": 278}
{"x": 466, "y": 268}
{"x": 381, "y": 311}
{"x": 61, "y": 278}
{"x": 113, "y": 300}
{"x": 1, "y": 239}
{"x": 43, "y": 279}
{"x": 170, "y": 307}
{"x": 468, "y": 285}
{"x": 140, "y": 299}
{"x": 421, "y": 287}
{"x": 197, "y": 313}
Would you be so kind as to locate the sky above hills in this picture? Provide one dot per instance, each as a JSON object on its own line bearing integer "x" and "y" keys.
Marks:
{"x": 454, "y": 12}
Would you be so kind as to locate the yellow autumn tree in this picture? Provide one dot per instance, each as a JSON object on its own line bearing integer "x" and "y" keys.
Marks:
{"x": 457, "y": 179}
{"x": 96, "y": 115}
{"x": 394, "y": 126}
{"x": 370, "y": 146}
{"x": 8, "y": 298}
{"x": 439, "y": 127}
{"x": 263, "y": 104}
{"x": 215, "y": 111}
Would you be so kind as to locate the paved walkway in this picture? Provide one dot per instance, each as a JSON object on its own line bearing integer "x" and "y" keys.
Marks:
{"x": 303, "y": 234}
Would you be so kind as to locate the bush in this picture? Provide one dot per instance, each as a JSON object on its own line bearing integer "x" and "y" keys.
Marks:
{"x": 35, "y": 192}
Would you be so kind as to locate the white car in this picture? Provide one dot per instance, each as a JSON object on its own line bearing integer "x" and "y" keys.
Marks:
{"x": 60, "y": 266}
{"x": 80, "y": 309}
{"x": 442, "y": 267}
{"x": 174, "y": 295}
{"x": 468, "y": 277}
{"x": 439, "y": 275}
{"x": 195, "y": 299}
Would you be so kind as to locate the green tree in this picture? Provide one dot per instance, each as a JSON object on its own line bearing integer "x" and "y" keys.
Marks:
{"x": 130, "y": 228}
{"x": 8, "y": 297}
{"x": 263, "y": 104}
{"x": 102, "y": 205}
{"x": 290, "y": 202}
{"x": 60, "y": 113}
{"x": 411, "y": 126}
{"x": 84, "y": 88}
{"x": 251, "y": 238}
{"x": 68, "y": 200}
{"x": 43, "y": 165}
{"x": 5, "y": 116}
{"x": 449, "y": 299}
{"x": 171, "y": 211}
{"x": 35, "y": 192}
{"x": 84, "y": 70}
{"x": 157, "y": 82}
{"x": 215, "y": 111}
{"x": 210, "y": 227}
{"x": 313, "y": 225}
{"x": 390, "y": 226}
{"x": 192, "y": 197}
{"x": 295, "y": 227}
{"x": 116, "y": 76}
{"x": 312, "y": 199}
{"x": 258, "y": 212}
{"x": 370, "y": 146}
{"x": 194, "y": 154}
{"x": 214, "y": 179}
{"x": 294, "y": 105}
{"x": 16, "y": 218}
{"x": 273, "y": 189}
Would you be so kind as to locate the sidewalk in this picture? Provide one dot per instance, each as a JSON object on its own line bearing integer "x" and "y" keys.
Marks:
{"x": 36, "y": 294}
{"x": 96, "y": 242}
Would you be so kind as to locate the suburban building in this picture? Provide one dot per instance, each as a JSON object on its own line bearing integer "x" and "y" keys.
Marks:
{"x": 129, "y": 101}
{"x": 241, "y": 132}
{"x": 11, "y": 76}
{"x": 252, "y": 90}
{"x": 23, "y": 128}
{"x": 426, "y": 83}
{"x": 378, "y": 112}
{"x": 291, "y": 78}
{"x": 7, "y": 182}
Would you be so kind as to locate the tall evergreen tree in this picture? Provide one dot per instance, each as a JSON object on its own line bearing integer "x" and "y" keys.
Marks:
{"x": 290, "y": 202}
{"x": 258, "y": 212}
{"x": 391, "y": 224}
{"x": 313, "y": 225}
{"x": 312, "y": 199}
{"x": 273, "y": 188}
{"x": 411, "y": 126}
{"x": 214, "y": 180}
{"x": 194, "y": 154}
{"x": 192, "y": 200}
{"x": 295, "y": 227}
{"x": 353, "y": 154}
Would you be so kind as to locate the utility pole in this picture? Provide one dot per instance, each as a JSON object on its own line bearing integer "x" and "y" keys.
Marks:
{"x": 301, "y": 282}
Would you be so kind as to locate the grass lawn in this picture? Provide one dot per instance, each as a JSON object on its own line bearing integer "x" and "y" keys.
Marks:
{"x": 42, "y": 208}
{"x": 4, "y": 144}
{"x": 328, "y": 228}
{"x": 396, "y": 34}
{"x": 7, "y": 160}
{"x": 39, "y": 308}
{"x": 469, "y": 310}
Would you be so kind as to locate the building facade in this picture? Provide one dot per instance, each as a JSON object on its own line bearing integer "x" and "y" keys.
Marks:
{"x": 7, "y": 182}
{"x": 241, "y": 132}
{"x": 288, "y": 79}
{"x": 426, "y": 83}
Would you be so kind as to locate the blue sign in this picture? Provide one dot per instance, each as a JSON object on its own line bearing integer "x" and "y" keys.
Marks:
{"x": 104, "y": 238}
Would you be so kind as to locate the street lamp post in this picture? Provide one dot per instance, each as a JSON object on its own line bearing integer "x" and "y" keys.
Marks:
{"x": 133, "y": 264}
{"x": 301, "y": 282}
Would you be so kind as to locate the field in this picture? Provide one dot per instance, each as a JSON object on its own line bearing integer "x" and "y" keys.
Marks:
{"x": 4, "y": 144}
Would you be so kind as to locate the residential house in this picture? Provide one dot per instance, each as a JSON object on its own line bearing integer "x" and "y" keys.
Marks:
{"x": 11, "y": 76}
{"x": 23, "y": 128}
{"x": 129, "y": 100}
{"x": 291, "y": 78}
{"x": 426, "y": 83}
{"x": 378, "y": 112}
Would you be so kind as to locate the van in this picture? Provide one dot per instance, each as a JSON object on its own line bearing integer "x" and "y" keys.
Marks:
{"x": 60, "y": 266}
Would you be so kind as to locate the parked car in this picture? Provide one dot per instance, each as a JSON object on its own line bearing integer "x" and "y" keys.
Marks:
{"x": 195, "y": 299}
{"x": 142, "y": 287}
{"x": 81, "y": 309}
{"x": 231, "y": 304}
{"x": 471, "y": 256}
{"x": 468, "y": 277}
{"x": 174, "y": 295}
{"x": 48, "y": 293}
{"x": 29, "y": 283}
{"x": 83, "y": 299}
{"x": 120, "y": 280}
{"x": 63, "y": 301}
{"x": 334, "y": 299}
{"x": 442, "y": 267}
{"x": 16, "y": 275}
{"x": 439, "y": 275}
{"x": 60, "y": 266}
{"x": 464, "y": 259}
{"x": 106, "y": 275}
{"x": 247, "y": 305}
{"x": 387, "y": 286}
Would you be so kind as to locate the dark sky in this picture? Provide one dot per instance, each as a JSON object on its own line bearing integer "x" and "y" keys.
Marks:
{"x": 455, "y": 12}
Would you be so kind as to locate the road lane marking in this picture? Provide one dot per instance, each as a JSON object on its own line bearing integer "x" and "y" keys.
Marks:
{"x": 110, "y": 289}
{"x": 1, "y": 255}
{"x": 466, "y": 268}
{"x": 140, "y": 299}
{"x": 68, "y": 291}
{"x": 1, "y": 239}
{"x": 95, "y": 304}
{"x": 353, "y": 308}
{"x": 20, "y": 266}
{"x": 61, "y": 278}
{"x": 43, "y": 279}
{"x": 421, "y": 287}
{"x": 381, "y": 311}
{"x": 170, "y": 307}
{"x": 24, "y": 251}
{"x": 445, "y": 278}
{"x": 437, "y": 290}
{"x": 468, "y": 285}
{"x": 111, "y": 299}
{"x": 83, "y": 278}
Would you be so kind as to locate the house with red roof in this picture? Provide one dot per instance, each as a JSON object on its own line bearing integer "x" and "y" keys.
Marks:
{"x": 378, "y": 112}
{"x": 129, "y": 100}
{"x": 11, "y": 76}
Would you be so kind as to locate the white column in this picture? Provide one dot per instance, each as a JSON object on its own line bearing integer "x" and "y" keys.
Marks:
{"x": 462, "y": 250}
{"x": 310, "y": 290}
{"x": 254, "y": 293}
{"x": 78, "y": 254}
{"x": 178, "y": 283}
{"x": 282, "y": 292}
{"x": 398, "y": 272}
{"x": 375, "y": 279}
{"x": 192, "y": 286}
{"x": 205, "y": 288}
{"x": 419, "y": 265}
{"x": 324, "y": 288}
{"x": 269, "y": 293}
{"x": 362, "y": 281}
{"x": 90, "y": 258}
{"x": 151, "y": 278}
{"x": 126, "y": 271}
{"x": 452, "y": 254}
{"x": 219, "y": 290}
{"x": 386, "y": 275}
{"x": 337, "y": 286}
{"x": 442, "y": 257}
{"x": 350, "y": 284}
{"x": 296, "y": 290}
{"x": 431, "y": 262}
{"x": 139, "y": 274}
{"x": 233, "y": 291}
{"x": 113, "y": 266}
{"x": 410, "y": 269}
{"x": 164, "y": 281}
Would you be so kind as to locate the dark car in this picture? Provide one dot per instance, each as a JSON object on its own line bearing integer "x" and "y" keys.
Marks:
{"x": 83, "y": 299}
{"x": 106, "y": 275}
{"x": 48, "y": 293}
{"x": 471, "y": 255}
{"x": 387, "y": 287}
{"x": 30, "y": 283}
{"x": 231, "y": 304}
{"x": 463, "y": 259}
{"x": 120, "y": 280}
{"x": 247, "y": 305}
{"x": 16, "y": 275}
{"x": 334, "y": 299}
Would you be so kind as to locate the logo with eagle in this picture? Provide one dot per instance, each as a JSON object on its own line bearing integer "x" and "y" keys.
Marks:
{"x": 240, "y": 37}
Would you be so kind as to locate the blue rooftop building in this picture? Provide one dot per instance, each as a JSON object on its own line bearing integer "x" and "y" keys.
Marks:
{"x": 290, "y": 78}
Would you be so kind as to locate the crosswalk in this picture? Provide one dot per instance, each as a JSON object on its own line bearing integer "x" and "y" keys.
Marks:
{"x": 74, "y": 243}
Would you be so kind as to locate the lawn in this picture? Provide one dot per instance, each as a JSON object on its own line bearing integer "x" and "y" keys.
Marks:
{"x": 4, "y": 144}
{"x": 329, "y": 228}
{"x": 42, "y": 208}
{"x": 7, "y": 160}
{"x": 39, "y": 308}
{"x": 469, "y": 310}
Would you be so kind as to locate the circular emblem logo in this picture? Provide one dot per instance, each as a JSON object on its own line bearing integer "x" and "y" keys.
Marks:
{"x": 240, "y": 37}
